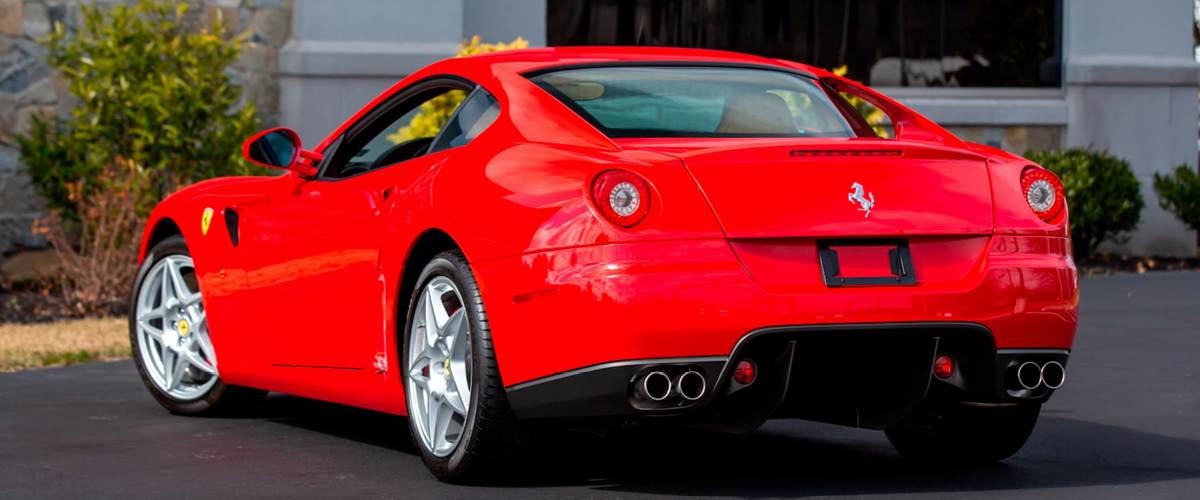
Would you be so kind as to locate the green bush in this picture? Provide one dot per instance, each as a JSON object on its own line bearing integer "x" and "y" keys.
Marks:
{"x": 151, "y": 92}
{"x": 1179, "y": 193}
{"x": 1103, "y": 195}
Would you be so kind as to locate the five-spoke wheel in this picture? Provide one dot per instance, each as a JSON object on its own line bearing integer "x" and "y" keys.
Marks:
{"x": 173, "y": 330}
{"x": 439, "y": 367}
{"x": 168, "y": 330}
{"x": 458, "y": 412}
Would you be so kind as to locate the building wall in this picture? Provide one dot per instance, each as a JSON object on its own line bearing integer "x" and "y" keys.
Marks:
{"x": 28, "y": 87}
{"x": 1131, "y": 88}
{"x": 340, "y": 58}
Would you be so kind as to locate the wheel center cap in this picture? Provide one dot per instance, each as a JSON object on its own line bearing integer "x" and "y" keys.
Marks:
{"x": 183, "y": 327}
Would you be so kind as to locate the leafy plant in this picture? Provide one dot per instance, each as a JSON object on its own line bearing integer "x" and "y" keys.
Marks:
{"x": 1103, "y": 195}
{"x": 152, "y": 93}
{"x": 155, "y": 111}
{"x": 98, "y": 253}
{"x": 436, "y": 111}
{"x": 1179, "y": 193}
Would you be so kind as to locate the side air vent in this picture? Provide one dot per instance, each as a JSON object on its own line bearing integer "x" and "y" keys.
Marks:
{"x": 231, "y": 223}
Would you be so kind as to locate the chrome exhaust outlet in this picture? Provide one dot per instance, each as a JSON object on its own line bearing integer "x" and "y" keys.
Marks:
{"x": 691, "y": 385}
{"x": 1053, "y": 375}
{"x": 655, "y": 386}
{"x": 1029, "y": 375}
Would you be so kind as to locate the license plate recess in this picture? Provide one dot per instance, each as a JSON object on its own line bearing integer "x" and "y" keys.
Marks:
{"x": 899, "y": 262}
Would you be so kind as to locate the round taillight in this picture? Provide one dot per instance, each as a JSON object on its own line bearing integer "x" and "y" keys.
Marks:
{"x": 943, "y": 366}
{"x": 744, "y": 373}
{"x": 623, "y": 197}
{"x": 1043, "y": 192}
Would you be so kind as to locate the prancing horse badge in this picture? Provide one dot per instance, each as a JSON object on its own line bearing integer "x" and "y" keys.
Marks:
{"x": 856, "y": 196}
{"x": 205, "y": 220}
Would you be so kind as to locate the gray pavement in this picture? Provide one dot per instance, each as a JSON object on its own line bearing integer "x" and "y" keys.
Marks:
{"x": 1126, "y": 425}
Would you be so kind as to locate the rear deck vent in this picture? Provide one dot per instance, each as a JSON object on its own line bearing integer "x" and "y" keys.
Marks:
{"x": 862, "y": 152}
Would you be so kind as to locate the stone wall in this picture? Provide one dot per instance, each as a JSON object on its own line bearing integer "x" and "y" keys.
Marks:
{"x": 28, "y": 87}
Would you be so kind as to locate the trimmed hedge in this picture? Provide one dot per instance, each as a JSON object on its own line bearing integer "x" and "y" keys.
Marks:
{"x": 1179, "y": 193}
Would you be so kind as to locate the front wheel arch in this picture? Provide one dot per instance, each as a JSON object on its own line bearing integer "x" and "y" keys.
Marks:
{"x": 164, "y": 228}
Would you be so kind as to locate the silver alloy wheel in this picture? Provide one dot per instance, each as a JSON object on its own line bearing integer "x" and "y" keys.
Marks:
{"x": 439, "y": 367}
{"x": 172, "y": 330}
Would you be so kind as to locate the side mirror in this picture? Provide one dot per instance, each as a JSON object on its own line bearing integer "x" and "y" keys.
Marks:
{"x": 279, "y": 148}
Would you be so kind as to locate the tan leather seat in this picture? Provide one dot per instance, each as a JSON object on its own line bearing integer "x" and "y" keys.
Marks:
{"x": 759, "y": 113}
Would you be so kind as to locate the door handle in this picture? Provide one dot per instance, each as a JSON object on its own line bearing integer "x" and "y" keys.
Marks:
{"x": 386, "y": 193}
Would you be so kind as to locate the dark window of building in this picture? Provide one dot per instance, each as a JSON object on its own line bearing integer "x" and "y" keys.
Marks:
{"x": 885, "y": 43}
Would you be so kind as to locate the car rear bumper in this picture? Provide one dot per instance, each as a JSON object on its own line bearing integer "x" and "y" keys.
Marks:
{"x": 809, "y": 372}
{"x": 604, "y": 312}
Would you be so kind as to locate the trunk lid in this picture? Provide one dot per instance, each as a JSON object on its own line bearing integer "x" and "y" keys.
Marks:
{"x": 771, "y": 188}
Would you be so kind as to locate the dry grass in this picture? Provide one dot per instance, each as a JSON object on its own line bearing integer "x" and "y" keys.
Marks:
{"x": 25, "y": 346}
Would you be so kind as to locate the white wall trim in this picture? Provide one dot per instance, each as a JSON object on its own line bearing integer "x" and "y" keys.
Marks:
{"x": 985, "y": 106}
{"x": 351, "y": 59}
{"x": 1137, "y": 70}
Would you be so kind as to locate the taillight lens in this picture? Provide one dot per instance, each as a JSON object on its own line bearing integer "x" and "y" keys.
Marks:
{"x": 1043, "y": 192}
{"x": 623, "y": 197}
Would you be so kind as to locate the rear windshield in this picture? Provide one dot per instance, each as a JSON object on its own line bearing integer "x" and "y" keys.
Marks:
{"x": 697, "y": 102}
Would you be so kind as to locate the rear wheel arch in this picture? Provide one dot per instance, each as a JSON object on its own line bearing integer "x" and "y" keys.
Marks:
{"x": 430, "y": 243}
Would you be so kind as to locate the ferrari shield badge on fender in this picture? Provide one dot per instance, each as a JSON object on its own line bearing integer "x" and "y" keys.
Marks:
{"x": 855, "y": 196}
{"x": 205, "y": 220}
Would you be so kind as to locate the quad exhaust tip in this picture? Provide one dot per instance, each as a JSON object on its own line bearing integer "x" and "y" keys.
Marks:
{"x": 1053, "y": 375}
{"x": 1029, "y": 375}
{"x": 690, "y": 385}
{"x": 655, "y": 386}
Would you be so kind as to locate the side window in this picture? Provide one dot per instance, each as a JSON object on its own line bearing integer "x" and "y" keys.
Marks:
{"x": 474, "y": 115}
{"x": 391, "y": 139}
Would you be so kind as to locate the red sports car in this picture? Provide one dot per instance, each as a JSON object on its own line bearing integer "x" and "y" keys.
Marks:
{"x": 608, "y": 235}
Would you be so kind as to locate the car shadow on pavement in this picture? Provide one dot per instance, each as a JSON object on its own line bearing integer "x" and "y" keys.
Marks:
{"x": 786, "y": 458}
{"x": 346, "y": 422}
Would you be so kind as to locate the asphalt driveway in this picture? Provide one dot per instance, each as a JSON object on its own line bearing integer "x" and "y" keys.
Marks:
{"x": 1127, "y": 424}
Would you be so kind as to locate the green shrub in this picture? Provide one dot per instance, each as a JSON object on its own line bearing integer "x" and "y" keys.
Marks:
{"x": 1103, "y": 195}
{"x": 154, "y": 112}
{"x": 1179, "y": 193}
{"x": 150, "y": 91}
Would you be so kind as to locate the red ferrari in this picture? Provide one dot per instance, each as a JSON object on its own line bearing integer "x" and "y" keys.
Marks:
{"x": 611, "y": 235}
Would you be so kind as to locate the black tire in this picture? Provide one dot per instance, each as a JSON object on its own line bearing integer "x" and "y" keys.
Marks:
{"x": 221, "y": 399}
{"x": 492, "y": 435}
{"x": 965, "y": 434}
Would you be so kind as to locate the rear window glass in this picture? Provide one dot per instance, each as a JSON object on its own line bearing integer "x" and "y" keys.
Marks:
{"x": 697, "y": 102}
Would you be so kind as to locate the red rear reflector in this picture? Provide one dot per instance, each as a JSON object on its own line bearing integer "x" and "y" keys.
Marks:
{"x": 943, "y": 366}
{"x": 744, "y": 373}
{"x": 866, "y": 152}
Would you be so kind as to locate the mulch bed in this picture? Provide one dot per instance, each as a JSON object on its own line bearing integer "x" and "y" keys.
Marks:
{"x": 24, "y": 304}
{"x": 1103, "y": 264}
